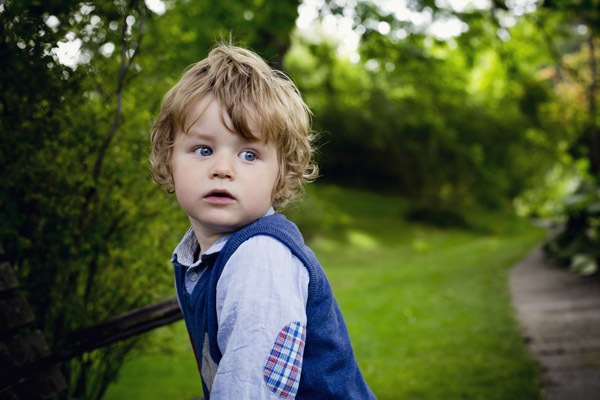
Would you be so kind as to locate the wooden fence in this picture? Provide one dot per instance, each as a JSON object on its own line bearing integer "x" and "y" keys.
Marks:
{"x": 28, "y": 367}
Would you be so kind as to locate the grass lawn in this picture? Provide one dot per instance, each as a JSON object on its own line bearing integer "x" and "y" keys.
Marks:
{"x": 428, "y": 309}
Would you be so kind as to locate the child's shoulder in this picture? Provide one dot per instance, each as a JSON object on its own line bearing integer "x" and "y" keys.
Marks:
{"x": 275, "y": 225}
{"x": 276, "y": 231}
{"x": 264, "y": 252}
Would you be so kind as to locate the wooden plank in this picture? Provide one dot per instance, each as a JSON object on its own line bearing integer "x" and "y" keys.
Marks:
{"x": 121, "y": 327}
{"x": 24, "y": 369}
{"x": 8, "y": 394}
{"x": 30, "y": 372}
{"x": 21, "y": 350}
{"x": 113, "y": 330}
{"x": 43, "y": 385}
{"x": 165, "y": 310}
{"x": 15, "y": 312}
{"x": 8, "y": 280}
{"x": 108, "y": 337}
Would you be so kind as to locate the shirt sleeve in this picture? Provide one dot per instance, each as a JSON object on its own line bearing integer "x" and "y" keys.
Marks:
{"x": 261, "y": 312}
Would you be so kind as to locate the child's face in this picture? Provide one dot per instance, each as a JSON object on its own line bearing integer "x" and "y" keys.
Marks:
{"x": 222, "y": 181}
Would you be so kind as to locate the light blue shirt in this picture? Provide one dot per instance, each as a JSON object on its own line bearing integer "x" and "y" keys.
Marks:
{"x": 262, "y": 289}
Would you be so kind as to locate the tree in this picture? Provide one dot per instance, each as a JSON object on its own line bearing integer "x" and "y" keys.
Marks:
{"x": 579, "y": 23}
{"x": 571, "y": 34}
{"x": 451, "y": 124}
{"x": 87, "y": 231}
{"x": 73, "y": 199}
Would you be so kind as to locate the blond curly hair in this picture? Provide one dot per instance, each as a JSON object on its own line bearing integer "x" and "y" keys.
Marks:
{"x": 246, "y": 88}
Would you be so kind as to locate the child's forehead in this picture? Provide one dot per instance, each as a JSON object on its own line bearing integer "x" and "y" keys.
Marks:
{"x": 207, "y": 110}
{"x": 202, "y": 109}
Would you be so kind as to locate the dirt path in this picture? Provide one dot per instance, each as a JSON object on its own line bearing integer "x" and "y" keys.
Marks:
{"x": 559, "y": 314}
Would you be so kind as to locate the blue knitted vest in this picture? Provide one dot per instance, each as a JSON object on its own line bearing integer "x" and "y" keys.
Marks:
{"x": 329, "y": 368}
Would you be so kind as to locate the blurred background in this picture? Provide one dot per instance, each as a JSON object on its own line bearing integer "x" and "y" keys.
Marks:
{"x": 445, "y": 128}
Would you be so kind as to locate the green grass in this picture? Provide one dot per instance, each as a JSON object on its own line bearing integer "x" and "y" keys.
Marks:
{"x": 428, "y": 309}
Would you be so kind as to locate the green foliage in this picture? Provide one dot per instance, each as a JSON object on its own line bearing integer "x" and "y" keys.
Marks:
{"x": 571, "y": 34}
{"x": 76, "y": 200}
{"x": 412, "y": 119}
{"x": 88, "y": 232}
{"x": 578, "y": 242}
{"x": 586, "y": 12}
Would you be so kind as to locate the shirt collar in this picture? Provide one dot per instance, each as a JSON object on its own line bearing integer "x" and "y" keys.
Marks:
{"x": 188, "y": 247}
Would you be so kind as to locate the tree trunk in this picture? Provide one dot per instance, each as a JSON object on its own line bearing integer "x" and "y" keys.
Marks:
{"x": 593, "y": 128}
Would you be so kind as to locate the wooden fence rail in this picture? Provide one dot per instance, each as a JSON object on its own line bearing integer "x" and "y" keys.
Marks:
{"x": 23, "y": 346}
{"x": 27, "y": 365}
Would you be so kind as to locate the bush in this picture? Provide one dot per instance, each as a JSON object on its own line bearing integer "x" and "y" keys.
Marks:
{"x": 578, "y": 242}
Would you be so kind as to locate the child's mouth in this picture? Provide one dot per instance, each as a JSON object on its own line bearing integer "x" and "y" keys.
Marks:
{"x": 219, "y": 196}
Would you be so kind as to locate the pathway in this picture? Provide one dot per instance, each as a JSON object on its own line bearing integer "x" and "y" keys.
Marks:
{"x": 559, "y": 314}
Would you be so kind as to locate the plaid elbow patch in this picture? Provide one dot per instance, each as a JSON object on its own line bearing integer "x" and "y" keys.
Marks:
{"x": 284, "y": 364}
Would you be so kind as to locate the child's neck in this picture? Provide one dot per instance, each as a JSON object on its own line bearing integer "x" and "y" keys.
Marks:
{"x": 206, "y": 241}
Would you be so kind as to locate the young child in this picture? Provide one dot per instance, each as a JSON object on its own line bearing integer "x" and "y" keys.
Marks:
{"x": 233, "y": 142}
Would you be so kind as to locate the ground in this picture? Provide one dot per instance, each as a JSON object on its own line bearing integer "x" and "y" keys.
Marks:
{"x": 559, "y": 314}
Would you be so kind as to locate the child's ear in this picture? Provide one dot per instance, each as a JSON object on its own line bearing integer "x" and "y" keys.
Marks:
{"x": 170, "y": 185}
{"x": 170, "y": 180}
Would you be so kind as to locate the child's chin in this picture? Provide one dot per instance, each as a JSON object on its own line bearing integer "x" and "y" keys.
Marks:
{"x": 227, "y": 224}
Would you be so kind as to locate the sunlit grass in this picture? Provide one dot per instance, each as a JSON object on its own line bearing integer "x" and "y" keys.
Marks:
{"x": 428, "y": 309}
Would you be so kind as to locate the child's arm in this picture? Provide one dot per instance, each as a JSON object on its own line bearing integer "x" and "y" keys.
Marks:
{"x": 261, "y": 312}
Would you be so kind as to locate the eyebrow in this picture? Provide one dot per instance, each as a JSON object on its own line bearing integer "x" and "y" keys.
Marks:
{"x": 191, "y": 133}
{"x": 208, "y": 136}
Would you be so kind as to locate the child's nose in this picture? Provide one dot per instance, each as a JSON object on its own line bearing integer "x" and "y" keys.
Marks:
{"x": 222, "y": 168}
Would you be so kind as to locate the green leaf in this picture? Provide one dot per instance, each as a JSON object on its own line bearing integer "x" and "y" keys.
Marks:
{"x": 583, "y": 264}
{"x": 594, "y": 208}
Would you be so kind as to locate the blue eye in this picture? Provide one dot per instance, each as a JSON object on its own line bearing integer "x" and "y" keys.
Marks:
{"x": 203, "y": 151}
{"x": 248, "y": 155}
